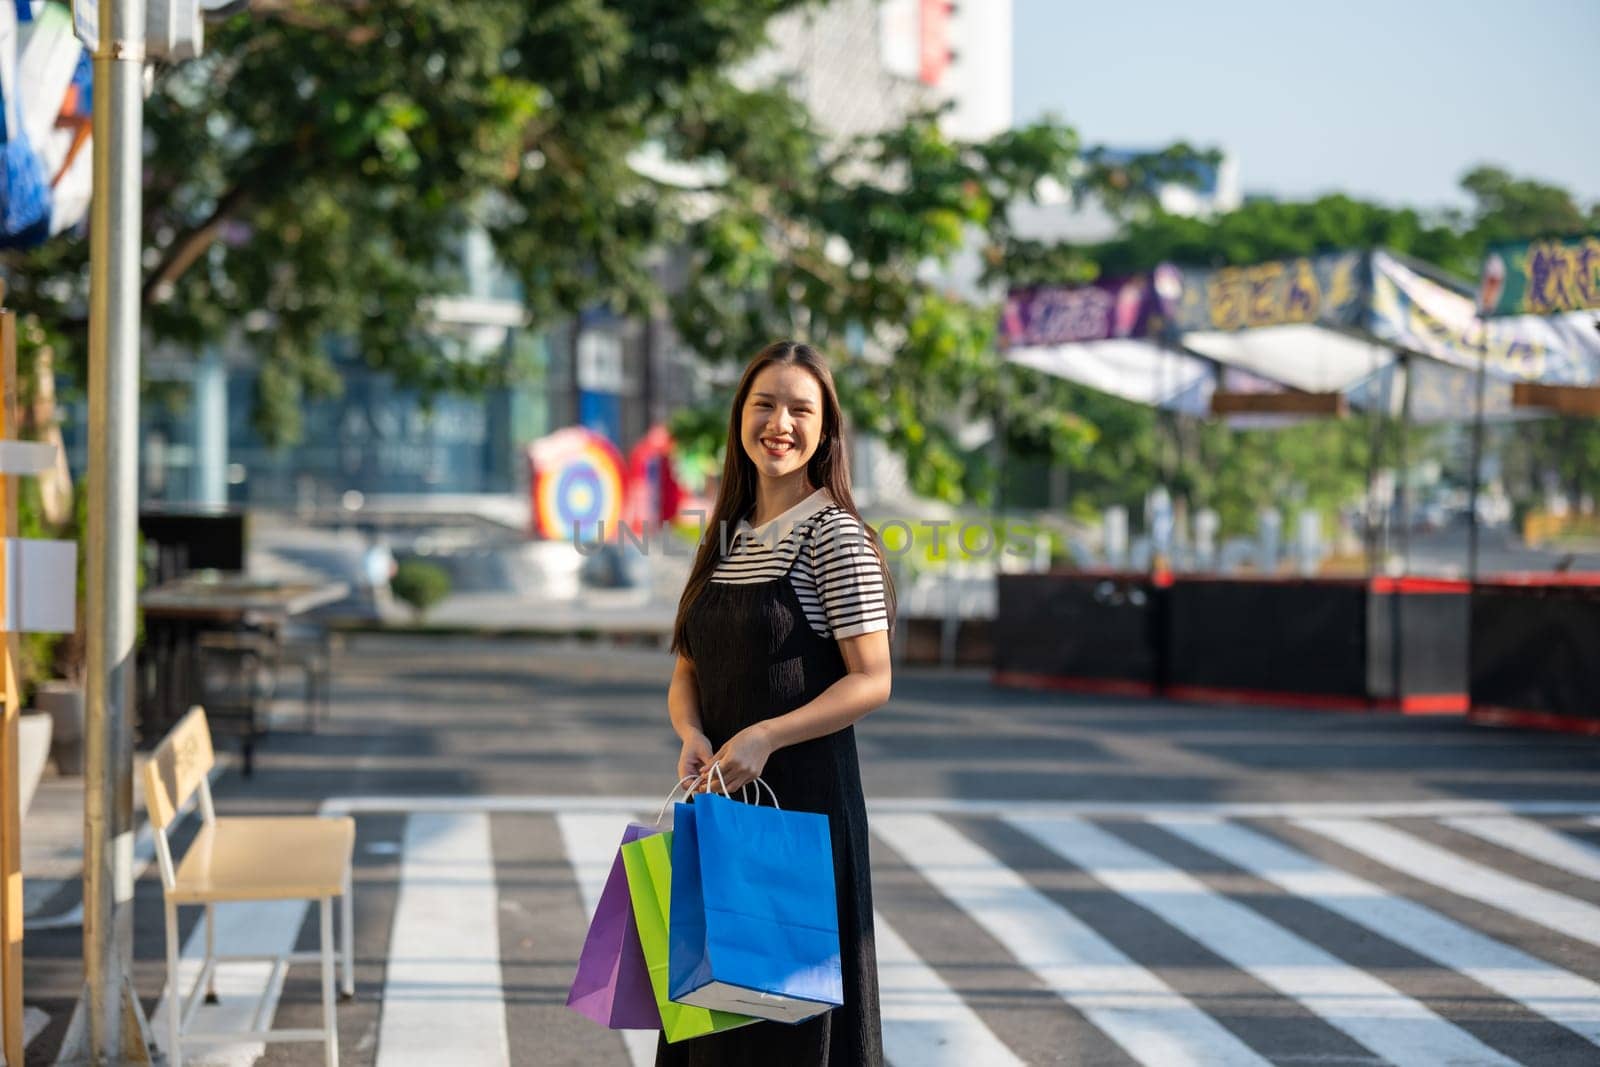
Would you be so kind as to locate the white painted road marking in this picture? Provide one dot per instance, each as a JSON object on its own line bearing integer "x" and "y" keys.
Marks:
{"x": 536, "y": 803}
{"x": 1534, "y": 840}
{"x": 1559, "y": 995}
{"x": 1385, "y": 1020}
{"x": 1131, "y": 1005}
{"x": 258, "y": 928}
{"x": 925, "y": 1022}
{"x": 443, "y": 1001}
{"x": 1429, "y": 863}
{"x": 591, "y": 843}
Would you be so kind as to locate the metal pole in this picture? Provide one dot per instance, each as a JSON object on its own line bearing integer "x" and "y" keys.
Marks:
{"x": 1377, "y": 407}
{"x": 110, "y": 1026}
{"x": 998, "y": 505}
{"x": 1477, "y": 450}
{"x": 1402, "y": 468}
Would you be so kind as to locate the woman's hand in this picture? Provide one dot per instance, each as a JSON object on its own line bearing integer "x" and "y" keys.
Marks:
{"x": 742, "y": 759}
{"x": 695, "y": 759}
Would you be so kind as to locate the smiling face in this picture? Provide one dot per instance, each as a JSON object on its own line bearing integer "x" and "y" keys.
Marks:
{"x": 781, "y": 424}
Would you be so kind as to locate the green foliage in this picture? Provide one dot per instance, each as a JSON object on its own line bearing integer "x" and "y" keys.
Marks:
{"x": 309, "y": 179}
{"x": 833, "y": 243}
{"x": 420, "y": 584}
{"x": 310, "y": 176}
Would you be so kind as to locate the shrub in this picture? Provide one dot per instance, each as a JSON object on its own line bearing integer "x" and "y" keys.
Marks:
{"x": 420, "y": 584}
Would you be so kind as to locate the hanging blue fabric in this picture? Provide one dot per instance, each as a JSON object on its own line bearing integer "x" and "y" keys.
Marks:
{"x": 24, "y": 195}
{"x": 24, "y": 187}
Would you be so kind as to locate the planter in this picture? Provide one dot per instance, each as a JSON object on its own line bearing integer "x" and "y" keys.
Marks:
{"x": 64, "y": 703}
{"x": 33, "y": 747}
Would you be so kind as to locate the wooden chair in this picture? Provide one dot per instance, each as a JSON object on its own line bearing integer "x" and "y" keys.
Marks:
{"x": 300, "y": 857}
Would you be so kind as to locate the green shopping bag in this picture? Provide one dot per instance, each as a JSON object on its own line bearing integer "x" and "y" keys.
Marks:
{"x": 648, "y": 862}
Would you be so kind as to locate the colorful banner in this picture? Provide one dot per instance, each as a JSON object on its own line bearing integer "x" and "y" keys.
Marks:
{"x": 1063, "y": 315}
{"x": 1541, "y": 277}
{"x": 1420, "y": 315}
{"x": 1328, "y": 290}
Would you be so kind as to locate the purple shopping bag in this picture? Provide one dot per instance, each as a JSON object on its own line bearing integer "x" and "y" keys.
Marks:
{"x": 612, "y": 985}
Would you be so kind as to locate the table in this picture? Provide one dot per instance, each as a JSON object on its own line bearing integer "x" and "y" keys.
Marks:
{"x": 179, "y": 614}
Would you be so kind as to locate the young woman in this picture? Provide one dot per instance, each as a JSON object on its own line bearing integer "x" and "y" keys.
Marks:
{"x": 782, "y": 644}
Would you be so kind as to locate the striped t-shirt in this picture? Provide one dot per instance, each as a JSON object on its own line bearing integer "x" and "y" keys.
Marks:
{"x": 823, "y": 552}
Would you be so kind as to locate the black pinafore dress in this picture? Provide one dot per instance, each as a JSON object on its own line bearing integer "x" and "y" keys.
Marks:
{"x": 756, "y": 657}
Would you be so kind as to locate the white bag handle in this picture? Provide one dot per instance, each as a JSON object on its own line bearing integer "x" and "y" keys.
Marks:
{"x": 759, "y": 783}
{"x": 662, "y": 814}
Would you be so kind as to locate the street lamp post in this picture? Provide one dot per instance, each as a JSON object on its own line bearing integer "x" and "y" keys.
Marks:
{"x": 109, "y": 1026}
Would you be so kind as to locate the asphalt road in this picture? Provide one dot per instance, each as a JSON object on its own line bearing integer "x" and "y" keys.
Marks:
{"x": 1059, "y": 879}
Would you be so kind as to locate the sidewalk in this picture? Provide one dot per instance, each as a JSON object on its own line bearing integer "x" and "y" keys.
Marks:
{"x": 616, "y": 613}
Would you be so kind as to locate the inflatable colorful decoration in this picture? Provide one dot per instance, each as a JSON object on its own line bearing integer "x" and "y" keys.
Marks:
{"x": 654, "y": 494}
{"x": 576, "y": 485}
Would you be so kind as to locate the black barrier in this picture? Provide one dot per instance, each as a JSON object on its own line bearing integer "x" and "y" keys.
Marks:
{"x": 1536, "y": 652}
{"x": 1080, "y": 630}
{"x": 1396, "y": 644}
{"x": 1265, "y": 639}
{"x": 1417, "y": 639}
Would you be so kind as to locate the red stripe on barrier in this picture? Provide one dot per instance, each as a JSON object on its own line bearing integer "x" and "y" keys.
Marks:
{"x": 1267, "y": 579}
{"x": 1111, "y": 686}
{"x": 1537, "y": 578}
{"x": 1310, "y": 701}
{"x": 1428, "y": 704}
{"x": 1535, "y": 720}
{"x": 1420, "y": 585}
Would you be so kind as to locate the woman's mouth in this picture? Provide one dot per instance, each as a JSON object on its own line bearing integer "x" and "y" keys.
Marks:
{"x": 776, "y": 446}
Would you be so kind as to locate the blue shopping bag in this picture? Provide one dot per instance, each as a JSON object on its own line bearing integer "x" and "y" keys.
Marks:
{"x": 754, "y": 916}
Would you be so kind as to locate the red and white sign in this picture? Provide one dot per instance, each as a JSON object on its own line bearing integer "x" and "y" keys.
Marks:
{"x": 935, "y": 36}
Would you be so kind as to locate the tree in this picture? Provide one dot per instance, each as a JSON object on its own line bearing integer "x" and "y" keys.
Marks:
{"x": 310, "y": 176}
{"x": 840, "y": 243}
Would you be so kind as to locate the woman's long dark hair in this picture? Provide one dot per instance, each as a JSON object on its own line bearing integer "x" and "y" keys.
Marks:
{"x": 829, "y": 468}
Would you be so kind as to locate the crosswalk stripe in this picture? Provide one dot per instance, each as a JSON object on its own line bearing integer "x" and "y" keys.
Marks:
{"x": 1534, "y": 840}
{"x": 1426, "y": 862}
{"x": 1559, "y": 995}
{"x": 443, "y": 999}
{"x": 925, "y": 1022}
{"x": 1351, "y": 1000}
{"x": 591, "y": 843}
{"x": 1133, "y": 1006}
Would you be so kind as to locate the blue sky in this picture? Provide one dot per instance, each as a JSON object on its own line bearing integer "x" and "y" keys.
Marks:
{"x": 1392, "y": 101}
